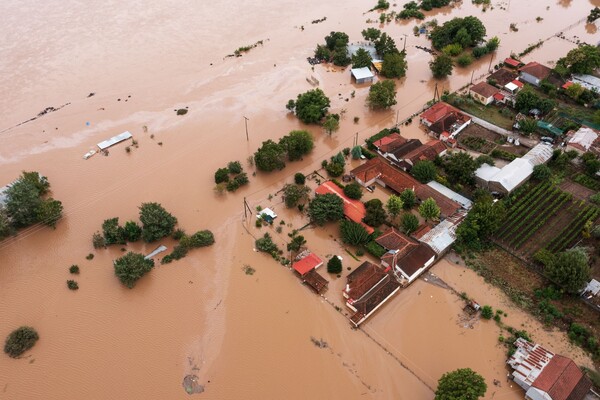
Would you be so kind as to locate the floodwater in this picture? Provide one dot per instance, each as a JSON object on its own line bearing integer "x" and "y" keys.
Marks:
{"x": 243, "y": 336}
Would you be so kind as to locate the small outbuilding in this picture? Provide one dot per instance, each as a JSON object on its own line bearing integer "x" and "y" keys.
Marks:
{"x": 362, "y": 75}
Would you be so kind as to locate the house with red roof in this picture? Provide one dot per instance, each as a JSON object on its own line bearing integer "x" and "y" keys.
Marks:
{"x": 546, "y": 376}
{"x": 305, "y": 265}
{"x": 354, "y": 210}
{"x": 409, "y": 263}
{"x": 512, "y": 63}
{"x": 426, "y": 152}
{"x": 368, "y": 287}
{"x": 383, "y": 144}
{"x": 443, "y": 117}
{"x": 483, "y": 92}
{"x": 534, "y": 73}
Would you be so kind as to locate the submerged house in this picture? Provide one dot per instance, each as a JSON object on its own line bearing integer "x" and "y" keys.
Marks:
{"x": 305, "y": 266}
{"x": 426, "y": 152}
{"x": 362, "y": 75}
{"x": 409, "y": 263}
{"x": 546, "y": 376}
{"x": 368, "y": 287}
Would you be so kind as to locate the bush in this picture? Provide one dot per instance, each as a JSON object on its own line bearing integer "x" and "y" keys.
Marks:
{"x": 20, "y": 340}
{"x": 202, "y": 239}
{"x": 182, "y": 111}
{"x": 334, "y": 265}
{"x": 131, "y": 267}
{"x": 113, "y": 233}
{"x": 464, "y": 60}
{"x": 72, "y": 285}
{"x": 178, "y": 234}
{"x": 98, "y": 240}
{"x": 234, "y": 167}
{"x": 487, "y": 312}
{"x": 334, "y": 169}
{"x": 353, "y": 233}
{"x": 132, "y": 231}
{"x": 375, "y": 249}
{"x": 156, "y": 222}
{"x": 74, "y": 269}
{"x": 353, "y": 191}
{"x": 266, "y": 244}
{"x": 453, "y": 49}
{"x": 222, "y": 175}
{"x": 299, "y": 178}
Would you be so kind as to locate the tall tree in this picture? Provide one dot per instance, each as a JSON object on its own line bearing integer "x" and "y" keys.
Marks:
{"x": 394, "y": 65}
{"x": 22, "y": 203}
{"x": 353, "y": 233}
{"x": 371, "y": 34}
{"x": 583, "y": 60}
{"x": 394, "y": 205}
{"x": 157, "y": 222}
{"x": 425, "y": 171}
{"x": 460, "y": 168}
{"x": 297, "y": 144}
{"x": 429, "y": 209}
{"x": 49, "y": 212}
{"x": 382, "y": 95}
{"x": 326, "y": 207}
{"x": 294, "y": 193}
{"x": 570, "y": 269}
{"x": 483, "y": 219}
{"x": 385, "y": 45}
{"x": 409, "y": 223}
{"x": 334, "y": 265}
{"x": 5, "y": 227}
{"x": 409, "y": 198}
{"x": 361, "y": 59}
{"x": 131, "y": 267}
{"x": 353, "y": 190}
{"x": 270, "y": 156}
{"x": 461, "y": 384}
{"x": 441, "y": 66}
{"x": 375, "y": 214}
{"x": 331, "y": 123}
{"x": 311, "y": 106}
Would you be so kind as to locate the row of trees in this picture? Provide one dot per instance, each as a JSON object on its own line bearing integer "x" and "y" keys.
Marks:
{"x": 231, "y": 177}
{"x": 27, "y": 203}
{"x": 272, "y": 156}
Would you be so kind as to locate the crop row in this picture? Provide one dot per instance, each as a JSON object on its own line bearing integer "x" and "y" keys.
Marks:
{"x": 571, "y": 231}
{"x": 522, "y": 206}
{"x": 540, "y": 209}
{"x": 517, "y": 221}
{"x": 538, "y": 222}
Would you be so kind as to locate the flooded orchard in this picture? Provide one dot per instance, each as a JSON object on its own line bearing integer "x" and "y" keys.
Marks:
{"x": 241, "y": 336}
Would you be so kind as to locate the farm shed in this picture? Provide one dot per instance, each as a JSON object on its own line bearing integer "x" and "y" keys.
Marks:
{"x": 114, "y": 140}
{"x": 362, "y": 75}
{"x": 451, "y": 194}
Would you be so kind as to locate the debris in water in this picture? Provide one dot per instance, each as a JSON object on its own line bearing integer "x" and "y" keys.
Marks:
{"x": 320, "y": 343}
{"x": 249, "y": 270}
{"x": 191, "y": 384}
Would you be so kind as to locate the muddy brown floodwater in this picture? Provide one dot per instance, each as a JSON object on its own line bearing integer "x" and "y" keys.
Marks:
{"x": 242, "y": 336}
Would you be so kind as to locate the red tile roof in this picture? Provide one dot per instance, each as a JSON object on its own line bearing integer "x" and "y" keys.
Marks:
{"x": 308, "y": 263}
{"x": 437, "y": 112}
{"x": 421, "y": 230}
{"x": 363, "y": 278}
{"x": 387, "y": 140}
{"x": 354, "y": 210}
{"x": 499, "y": 96}
{"x": 428, "y": 151}
{"x": 484, "y": 89}
{"x": 536, "y": 70}
{"x": 503, "y": 76}
{"x": 447, "y": 206}
{"x": 416, "y": 259}
{"x": 517, "y": 82}
{"x": 315, "y": 281}
{"x": 512, "y": 62}
{"x": 392, "y": 146}
{"x": 393, "y": 239}
{"x": 563, "y": 380}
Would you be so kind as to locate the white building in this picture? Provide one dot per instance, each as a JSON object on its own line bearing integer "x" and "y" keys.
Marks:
{"x": 589, "y": 82}
{"x": 583, "y": 140}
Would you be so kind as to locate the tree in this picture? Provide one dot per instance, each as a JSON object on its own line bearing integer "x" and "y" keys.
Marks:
{"x": 541, "y": 172}
{"x": 296, "y": 243}
{"x": 483, "y": 219}
{"x": 441, "y": 66}
{"x": 22, "y": 203}
{"x": 299, "y": 178}
{"x": 425, "y": 171}
{"x": 234, "y": 167}
{"x": 371, "y": 34}
{"x": 583, "y": 60}
{"x": 575, "y": 90}
{"x": 221, "y": 175}
{"x": 356, "y": 152}
{"x": 394, "y": 205}
{"x": 487, "y": 312}
{"x": 336, "y": 40}
{"x": 429, "y": 209}
{"x": 49, "y": 212}
{"x": 527, "y": 99}
{"x": 132, "y": 232}
{"x": 270, "y": 156}
{"x": 409, "y": 198}
{"x": 394, "y": 65}
{"x": 353, "y": 191}
{"x": 594, "y": 15}
{"x": 464, "y": 60}
{"x": 201, "y": 238}
{"x": 156, "y": 222}
{"x": 484, "y": 159}
{"x": 528, "y": 125}
{"x": 492, "y": 44}
{"x": 382, "y": 95}
{"x": 113, "y": 233}
{"x": 297, "y": 144}
{"x": 467, "y": 31}
{"x": 570, "y": 269}
{"x": 310, "y": 107}
{"x": 361, "y": 59}
{"x": 375, "y": 214}
{"x": 461, "y": 384}
{"x": 131, "y": 267}
{"x": 292, "y": 194}
{"x": 340, "y": 57}
{"x": 590, "y": 163}
{"x": 5, "y": 227}
{"x": 353, "y": 233}
{"x": 20, "y": 340}
{"x": 460, "y": 168}
{"x": 462, "y": 38}
{"x": 326, "y": 207}
{"x": 334, "y": 265}
{"x": 331, "y": 123}
{"x": 410, "y": 223}
{"x": 385, "y": 45}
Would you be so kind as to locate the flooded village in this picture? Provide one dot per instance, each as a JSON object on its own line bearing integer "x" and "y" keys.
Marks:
{"x": 197, "y": 233}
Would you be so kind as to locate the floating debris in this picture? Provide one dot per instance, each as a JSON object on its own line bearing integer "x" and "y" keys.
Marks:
{"x": 191, "y": 384}
{"x": 320, "y": 343}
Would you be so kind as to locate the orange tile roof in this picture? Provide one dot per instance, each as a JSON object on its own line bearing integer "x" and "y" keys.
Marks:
{"x": 395, "y": 179}
{"x": 536, "y": 69}
{"x": 562, "y": 380}
{"x": 484, "y": 89}
{"x": 393, "y": 239}
{"x": 307, "y": 263}
{"x": 428, "y": 151}
{"x": 512, "y": 62}
{"x": 387, "y": 139}
{"x": 438, "y": 111}
{"x": 354, "y": 210}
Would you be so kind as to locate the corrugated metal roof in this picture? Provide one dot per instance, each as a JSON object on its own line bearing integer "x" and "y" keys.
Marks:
{"x": 441, "y": 237}
{"x": 584, "y": 137}
{"x": 114, "y": 140}
{"x": 539, "y": 154}
{"x": 486, "y": 172}
{"x": 362, "y": 73}
{"x": 462, "y": 200}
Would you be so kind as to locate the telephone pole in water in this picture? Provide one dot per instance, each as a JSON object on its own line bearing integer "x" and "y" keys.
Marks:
{"x": 246, "y": 123}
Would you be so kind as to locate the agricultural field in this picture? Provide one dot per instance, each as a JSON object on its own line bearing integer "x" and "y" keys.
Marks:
{"x": 544, "y": 217}
{"x": 477, "y": 138}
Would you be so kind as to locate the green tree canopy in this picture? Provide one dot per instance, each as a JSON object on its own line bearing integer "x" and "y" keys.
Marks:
{"x": 425, "y": 171}
{"x": 292, "y": 194}
{"x": 157, "y": 222}
{"x": 132, "y": 231}
{"x": 467, "y": 31}
{"x": 221, "y": 175}
{"x": 394, "y": 65}
{"x": 385, "y": 45}
{"x": 409, "y": 198}
{"x": 394, "y": 205}
{"x": 22, "y": 202}
{"x": 326, "y": 207}
{"x": 441, "y": 66}
{"x": 353, "y": 233}
{"x": 353, "y": 191}
{"x": 429, "y": 209}
{"x": 297, "y": 144}
{"x": 483, "y": 219}
{"x": 375, "y": 214}
{"x": 270, "y": 156}
{"x": 310, "y": 107}
{"x": 460, "y": 168}
{"x": 334, "y": 265}
{"x": 296, "y": 243}
{"x": 113, "y": 233}
{"x": 336, "y": 40}
{"x": 20, "y": 340}
{"x": 541, "y": 172}
{"x": 382, "y": 95}
{"x": 583, "y": 60}
{"x": 331, "y": 123}
{"x": 409, "y": 223}
{"x": 371, "y": 34}
{"x": 131, "y": 267}
{"x": 361, "y": 59}
{"x": 461, "y": 384}
{"x": 49, "y": 212}
{"x": 570, "y": 269}
{"x": 528, "y": 99}
{"x": 5, "y": 226}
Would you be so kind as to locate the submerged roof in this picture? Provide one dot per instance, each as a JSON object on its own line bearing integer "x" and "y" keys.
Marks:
{"x": 393, "y": 239}
{"x": 362, "y": 73}
{"x": 114, "y": 140}
{"x": 415, "y": 259}
{"x": 308, "y": 263}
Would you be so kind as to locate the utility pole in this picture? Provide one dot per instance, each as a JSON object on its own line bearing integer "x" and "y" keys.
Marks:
{"x": 246, "y": 209}
{"x": 355, "y": 141}
{"x": 472, "y": 72}
{"x": 404, "y": 49}
{"x": 246, "y": 123}
{"x": 490, "y": 66}
{"x": 436, "y": 94}
{"x": 397, "y": 116}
